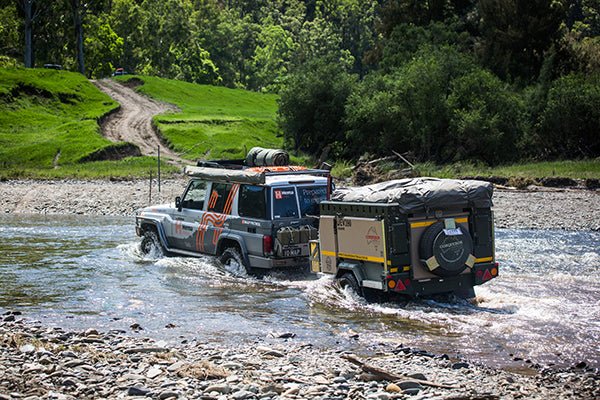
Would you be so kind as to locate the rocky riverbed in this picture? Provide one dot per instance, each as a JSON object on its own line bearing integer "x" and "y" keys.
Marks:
{"x": 536, "y": 208}
{"x": 41, "y": 362}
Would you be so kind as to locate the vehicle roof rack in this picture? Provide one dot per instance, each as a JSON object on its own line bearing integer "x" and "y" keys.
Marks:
{"x": 253, "y": 176}
{"x": 227, "y": 164}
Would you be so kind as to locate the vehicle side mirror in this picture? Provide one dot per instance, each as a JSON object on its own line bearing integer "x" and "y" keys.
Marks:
{"x": 178, "y": 203}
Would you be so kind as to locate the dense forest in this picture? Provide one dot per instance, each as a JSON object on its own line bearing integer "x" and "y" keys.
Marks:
{"x": 443, "y": 80}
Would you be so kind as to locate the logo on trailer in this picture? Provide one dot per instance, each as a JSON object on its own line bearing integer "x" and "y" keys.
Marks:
{"x": 372, "y": 236}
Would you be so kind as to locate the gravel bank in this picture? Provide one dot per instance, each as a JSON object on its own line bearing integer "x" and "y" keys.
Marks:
{"x": 50, "y": 363}
{"x": 533, "y": 209}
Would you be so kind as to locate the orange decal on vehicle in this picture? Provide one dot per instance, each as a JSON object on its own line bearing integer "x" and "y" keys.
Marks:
{"x": 217, "y": 220}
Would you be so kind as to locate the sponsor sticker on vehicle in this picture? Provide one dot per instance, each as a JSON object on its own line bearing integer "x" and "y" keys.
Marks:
{"x": 453, "y": 232}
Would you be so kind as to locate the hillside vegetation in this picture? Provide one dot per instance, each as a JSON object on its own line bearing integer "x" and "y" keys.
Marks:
{"x": 49, "y": 126}
{"x": 488, "y": 82}
{"x": 214, "y": 122}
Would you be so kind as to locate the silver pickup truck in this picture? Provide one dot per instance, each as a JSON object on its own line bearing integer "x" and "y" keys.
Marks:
{"x": 251, "y": 218}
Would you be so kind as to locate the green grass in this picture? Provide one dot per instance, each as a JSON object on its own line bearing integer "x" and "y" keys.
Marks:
{"x": 49, "y": 123}
{"x": 214, "y": 122}
{"x": 583, "y": 169}
{"x": 127, "y": 168}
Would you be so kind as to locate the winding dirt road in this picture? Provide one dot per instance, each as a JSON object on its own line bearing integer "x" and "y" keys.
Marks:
{"x": 133, "y": 122}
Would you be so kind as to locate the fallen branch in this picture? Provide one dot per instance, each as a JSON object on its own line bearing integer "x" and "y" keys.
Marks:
{"x": 390, "y": 376}
{"x": 403, "y": 159}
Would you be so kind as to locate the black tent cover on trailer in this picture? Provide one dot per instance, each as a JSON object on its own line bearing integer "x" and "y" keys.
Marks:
{"x": 421, "y": 194}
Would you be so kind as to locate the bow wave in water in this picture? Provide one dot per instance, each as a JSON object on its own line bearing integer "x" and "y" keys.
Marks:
{"x": 79, "y": 272}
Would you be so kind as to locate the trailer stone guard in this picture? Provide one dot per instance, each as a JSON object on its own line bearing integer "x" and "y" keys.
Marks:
{"x": 412, "y": 237}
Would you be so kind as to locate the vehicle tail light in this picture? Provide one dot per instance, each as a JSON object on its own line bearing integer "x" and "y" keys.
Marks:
{"x": 267, "y": 244}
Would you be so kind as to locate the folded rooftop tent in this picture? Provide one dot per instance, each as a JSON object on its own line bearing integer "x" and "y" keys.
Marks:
{"x": 421, "y": 194}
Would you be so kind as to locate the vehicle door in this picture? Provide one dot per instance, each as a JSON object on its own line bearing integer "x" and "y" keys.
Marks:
{"x": 185, "y": 233}
{"x": 222, "y": 198}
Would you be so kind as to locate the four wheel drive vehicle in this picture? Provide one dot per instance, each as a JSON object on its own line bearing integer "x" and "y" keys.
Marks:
{"x": 412, "y": 237}
{"x": 260, "y": 217}
{"x": 119, "y": 71}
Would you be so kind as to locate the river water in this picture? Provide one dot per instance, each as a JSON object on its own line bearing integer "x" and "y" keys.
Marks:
{"x": 79, "y": 272}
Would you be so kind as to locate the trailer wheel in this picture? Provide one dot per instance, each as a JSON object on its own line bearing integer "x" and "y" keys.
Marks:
{"x": 445, "y": 254}
{"x": 348, "y": 280}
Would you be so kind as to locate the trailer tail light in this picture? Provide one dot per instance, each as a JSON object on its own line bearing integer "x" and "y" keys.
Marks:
{"x": 399, "y": 285}
{"x": 267, "y": 244}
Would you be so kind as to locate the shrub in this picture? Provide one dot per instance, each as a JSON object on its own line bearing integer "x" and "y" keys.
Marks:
{"x": 311, "y": 107}
{"x": 568, "y": 124}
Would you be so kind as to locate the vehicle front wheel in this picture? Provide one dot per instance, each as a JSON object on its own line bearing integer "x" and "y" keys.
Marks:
{"x": 233, "y": 262}
{"x": 151, "y": 244}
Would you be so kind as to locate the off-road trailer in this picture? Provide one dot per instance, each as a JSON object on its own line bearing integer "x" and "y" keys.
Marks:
{"x": 413, "y": 237}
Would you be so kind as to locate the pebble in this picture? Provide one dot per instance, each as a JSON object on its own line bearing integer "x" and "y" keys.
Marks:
{"x": 219, "y": 388}
{"x": 460, "y": 365}
{"x": 138, "y": 391}
{"x": 393, "y": 388}
{"x": 27, "y": 349}
{"x": 115, "y": 365}
{"x": 168, "y": 394}
{"x": 242, "y": 395}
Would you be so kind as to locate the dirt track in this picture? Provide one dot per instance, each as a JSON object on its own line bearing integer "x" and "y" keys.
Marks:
{"x": 133, "y": 122}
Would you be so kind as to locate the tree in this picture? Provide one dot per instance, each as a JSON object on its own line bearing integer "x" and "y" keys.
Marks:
{"x": 568, "y": 125}
{"x": 486, "y": 119}
{"x": 311, "y": 107}
{"x": 405, "y": 109}
{"x": 31, "y": 11}
{"x": 103, "y": 46}
{"x": 10, "y": 30}
{"x": 271, "y": 60}
{"x": 517, "y": 33}
{"x": 79, "y": 11}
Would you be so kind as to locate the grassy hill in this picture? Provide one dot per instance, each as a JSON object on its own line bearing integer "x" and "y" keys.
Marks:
{"x": 215, "y": 122}
{"x": 49, "y": 125}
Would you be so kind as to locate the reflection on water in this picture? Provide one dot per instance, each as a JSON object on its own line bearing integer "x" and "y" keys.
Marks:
{"x": 88, "y": 271}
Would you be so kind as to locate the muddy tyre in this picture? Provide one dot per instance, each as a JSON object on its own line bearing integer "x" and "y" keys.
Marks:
{"x": 233, "y": 262}
{"x": 151, "y": 243}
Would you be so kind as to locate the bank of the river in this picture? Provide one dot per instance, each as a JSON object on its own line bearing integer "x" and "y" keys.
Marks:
{"x": 43, "y": 362}
{"x": 531, "y": 209}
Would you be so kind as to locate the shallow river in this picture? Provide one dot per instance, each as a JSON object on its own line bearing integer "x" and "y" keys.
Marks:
{"x": 81, "y": 272}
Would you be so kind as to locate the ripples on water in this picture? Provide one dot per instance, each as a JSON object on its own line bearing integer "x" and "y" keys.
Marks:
{"x": 88, "y": 271}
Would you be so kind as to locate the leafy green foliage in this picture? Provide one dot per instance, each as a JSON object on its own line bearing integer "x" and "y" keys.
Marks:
{"x": 517, "y": 33}
{"x": 568, "y": 125}
{"x": 311, "y": 108}
{"x": 486, "y": 119}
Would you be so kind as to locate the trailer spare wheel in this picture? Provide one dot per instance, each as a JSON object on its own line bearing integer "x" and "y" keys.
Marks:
{"x": 445, "y": 251}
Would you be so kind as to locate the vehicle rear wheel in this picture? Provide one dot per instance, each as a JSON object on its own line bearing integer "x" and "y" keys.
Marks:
{"x": 151, "y": 244}
{"x": 233, "y": 262}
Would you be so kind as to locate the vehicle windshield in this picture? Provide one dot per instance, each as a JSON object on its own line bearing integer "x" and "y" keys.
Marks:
{"x": 284, "y": 203}
{"x": 310, "y": 197}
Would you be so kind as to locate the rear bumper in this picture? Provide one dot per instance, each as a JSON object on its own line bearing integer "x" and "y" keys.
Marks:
{"x": 480, "y": 274}
{"x": 269, "y": 263}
